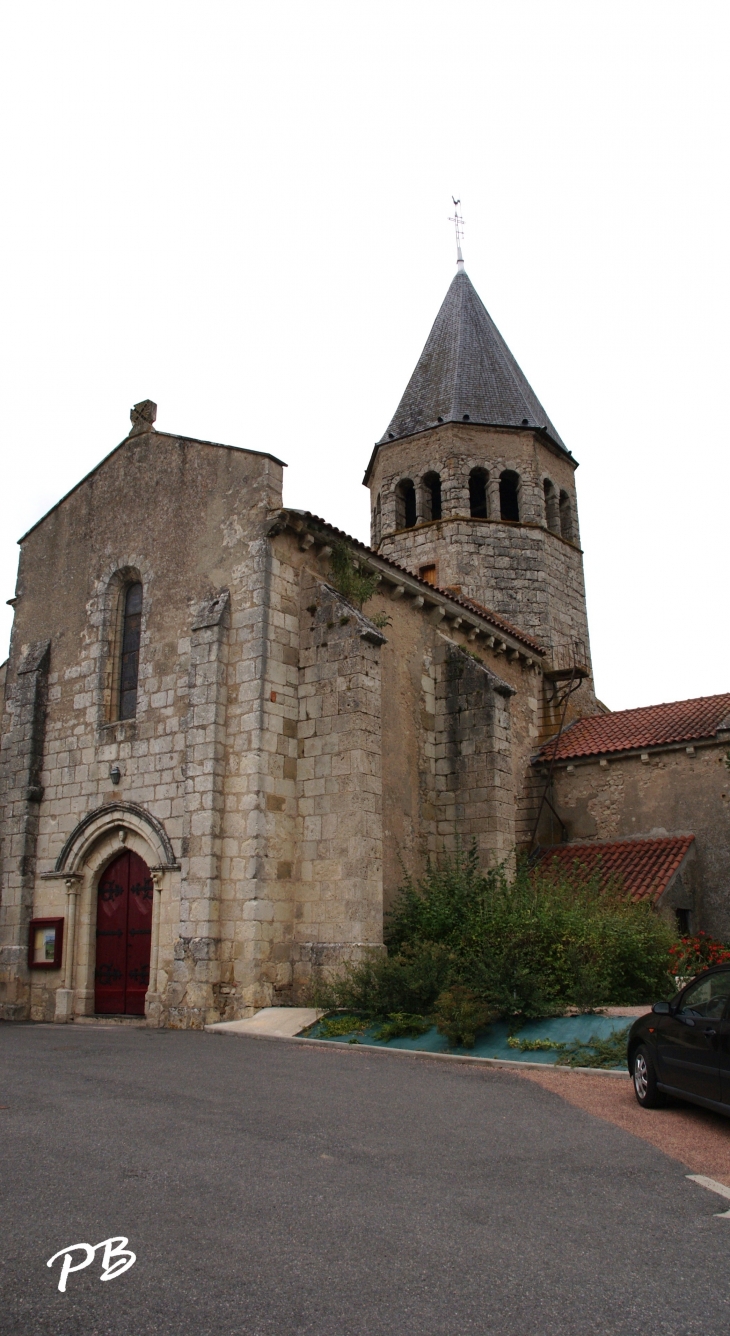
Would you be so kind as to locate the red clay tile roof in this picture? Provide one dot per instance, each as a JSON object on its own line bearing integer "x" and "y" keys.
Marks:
{"x": 649, "y": 726}
{"x": 644, "y": 867}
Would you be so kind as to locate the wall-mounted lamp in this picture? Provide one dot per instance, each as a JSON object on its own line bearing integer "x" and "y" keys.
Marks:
{"x": 115, "y": 774}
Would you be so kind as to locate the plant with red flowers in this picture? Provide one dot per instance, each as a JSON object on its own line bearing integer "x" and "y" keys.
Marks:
{"x": 690, "y": 955}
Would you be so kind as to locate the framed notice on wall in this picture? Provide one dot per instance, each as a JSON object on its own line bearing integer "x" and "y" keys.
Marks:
{"x": 45, "y": 944}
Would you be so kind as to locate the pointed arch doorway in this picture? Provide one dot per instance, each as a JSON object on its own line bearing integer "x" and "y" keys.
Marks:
{"x": 123, "y": 936}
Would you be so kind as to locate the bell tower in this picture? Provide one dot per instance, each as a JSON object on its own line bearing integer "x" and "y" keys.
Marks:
{"x": 472, "y": 487}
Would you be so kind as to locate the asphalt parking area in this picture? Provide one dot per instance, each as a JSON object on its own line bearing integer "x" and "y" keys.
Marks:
{"x": 279, "y": 1188}
{"x": 696, "y": 1137}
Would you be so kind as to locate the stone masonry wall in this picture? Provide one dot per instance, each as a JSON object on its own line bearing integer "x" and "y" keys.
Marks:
{"x": 471, "y": 790}
{"x": 338, "y": 891}
{"x": 21, "y": 794}
{"x": 460, "y": 724}
{"x": 676, "y": 791}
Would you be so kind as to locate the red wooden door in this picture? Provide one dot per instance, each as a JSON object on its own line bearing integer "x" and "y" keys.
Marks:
{"x": 123, "y": 936}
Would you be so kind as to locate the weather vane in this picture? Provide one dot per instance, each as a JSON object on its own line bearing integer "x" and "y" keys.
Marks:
{"x": 458, "y": 222}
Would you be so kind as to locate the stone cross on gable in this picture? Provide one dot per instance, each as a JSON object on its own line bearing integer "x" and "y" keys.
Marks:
{"x": 143, "y": 416}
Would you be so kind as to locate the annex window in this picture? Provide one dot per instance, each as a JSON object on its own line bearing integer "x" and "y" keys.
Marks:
{"x": 682, "y": 917}
{"x": 478, "y": 493}
{"x": 552, "y": 508}
{"x": 129, "y": 655}
{"x": 566, "y": 517}
{"x": 432, "y": 496}
{"x": 509, "y": 495}
{"x": 428, "y": 573}
{"x": 405, "y": 505}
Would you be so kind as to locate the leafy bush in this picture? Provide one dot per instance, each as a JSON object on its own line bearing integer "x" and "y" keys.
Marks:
{"x": 407, "y": 981}
{"x": 460, "y": 1014}
{"x": 527, "y": 947}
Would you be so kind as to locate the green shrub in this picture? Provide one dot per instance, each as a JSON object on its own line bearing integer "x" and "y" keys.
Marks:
{"x": 529, "y": 946}
{"x": 407, "y": 981}
{"x": 332, "y": 1027}
{"x": 460, "y": 1014}
{"x": 354, "y": 582}
{"x": 534, "y": 1045}
{"x": 401, "y": 1024}
{"x": 597, "y": 1052}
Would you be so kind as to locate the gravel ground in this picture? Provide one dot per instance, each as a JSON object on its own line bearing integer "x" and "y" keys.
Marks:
{"x": 694, "y": 1136}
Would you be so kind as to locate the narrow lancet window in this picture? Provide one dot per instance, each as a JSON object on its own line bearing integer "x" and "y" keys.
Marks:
{"x": 405, "y": 505}
{"x": 432, "y": 496}
{"x": 478, "y": 494}
{"x": 509, "y": 489}
{"x": 129, "y": 665}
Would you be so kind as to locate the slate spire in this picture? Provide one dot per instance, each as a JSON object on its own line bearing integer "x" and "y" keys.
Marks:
{"x": 466, "y": 373}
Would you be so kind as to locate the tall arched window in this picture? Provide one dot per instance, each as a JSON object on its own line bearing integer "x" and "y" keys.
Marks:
{"x": 552, "y": 509}
{"x": 566, "y": 517}
{"x": 405, "y": 504}
{"x": 129, "y": 657}
{"x": 432, "y": 496}
{"x": 478, "y": 493}
{"x": 509, "y": 495}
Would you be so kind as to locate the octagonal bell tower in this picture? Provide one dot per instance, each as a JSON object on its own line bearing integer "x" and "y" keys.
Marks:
{"x": 472, "y": 488}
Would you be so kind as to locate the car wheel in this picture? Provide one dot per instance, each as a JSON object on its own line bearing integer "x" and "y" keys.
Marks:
{"x": 644, "y": 1077}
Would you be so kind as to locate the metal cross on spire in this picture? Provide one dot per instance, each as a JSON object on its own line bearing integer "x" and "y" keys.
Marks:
{"x": 458, "y": 222}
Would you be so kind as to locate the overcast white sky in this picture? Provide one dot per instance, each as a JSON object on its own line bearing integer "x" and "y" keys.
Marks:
{"x": 240, "y": 211}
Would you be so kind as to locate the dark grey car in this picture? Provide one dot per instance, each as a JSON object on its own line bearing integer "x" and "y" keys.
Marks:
{"x": 682, "y": 1047}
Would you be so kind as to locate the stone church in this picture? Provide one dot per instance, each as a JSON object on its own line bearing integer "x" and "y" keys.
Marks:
{"x": 228, "y": 726}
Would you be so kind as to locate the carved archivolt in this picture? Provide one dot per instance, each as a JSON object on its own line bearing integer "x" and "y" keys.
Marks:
{"x": 103, "y": 820}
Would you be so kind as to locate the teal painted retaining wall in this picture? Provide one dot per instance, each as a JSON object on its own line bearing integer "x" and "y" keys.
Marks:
{"x": 492, "y": 1043}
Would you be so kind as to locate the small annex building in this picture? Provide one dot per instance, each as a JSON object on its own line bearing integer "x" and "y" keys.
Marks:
{"x": 228, "y": 725}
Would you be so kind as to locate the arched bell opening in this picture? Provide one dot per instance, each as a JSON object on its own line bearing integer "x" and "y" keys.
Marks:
{"x": 509, "y": 496}
{"x": 405, "y": 504}
{"x": 478, "y": 479}
{"x": 566, "y": 517}
{"x": 552, "y": 508}
{"x": 432, "y": 496}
